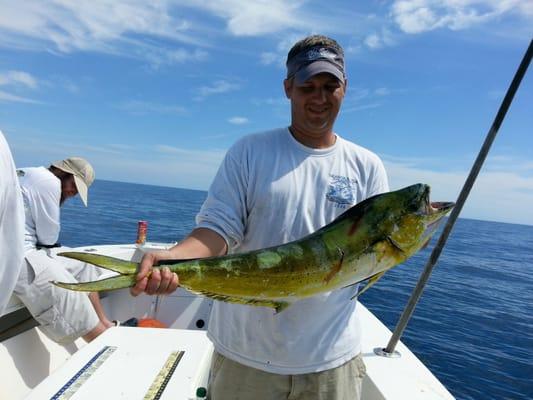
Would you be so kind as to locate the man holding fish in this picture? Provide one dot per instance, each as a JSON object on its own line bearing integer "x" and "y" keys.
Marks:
{"x": 273, "y": 188}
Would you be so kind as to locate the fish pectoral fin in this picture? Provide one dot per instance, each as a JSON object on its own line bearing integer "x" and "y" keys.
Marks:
{"x": 115, "y": 282}
{"x": 106, "y": 262}
{"x": 279, "y": 306}
{"x": 371, "y": 282}
{"x": 394, "y": 244}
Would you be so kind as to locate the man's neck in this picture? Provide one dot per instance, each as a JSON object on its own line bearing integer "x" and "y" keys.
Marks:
{"x": 314, "y": 141}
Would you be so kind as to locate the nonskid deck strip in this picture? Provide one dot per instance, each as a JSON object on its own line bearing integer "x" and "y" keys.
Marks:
{"x": 72, "y": 386}
{"x": 164, "y": 375}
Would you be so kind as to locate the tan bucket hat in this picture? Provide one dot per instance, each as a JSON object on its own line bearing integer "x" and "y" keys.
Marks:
{"x": 83, "y": 174}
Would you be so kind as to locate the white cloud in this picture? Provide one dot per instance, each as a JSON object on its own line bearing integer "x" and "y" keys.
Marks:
{"x": 70, "y": 86}
{"x": 217, "y": 87}
{"x": 373, "y": 41}
{"x": 149, "y": 30}
{"x": 360, "y": 107}
{"x": 506, "y": 163}
{"x": 499, "y": 195}
{"x": 189, "y": 153}
{"x": 259, "y": 17}
{"x": 268, "y": 58}
{"x": 382, "y": 91}
{"x": 238, "y": 120}
{"x": 17, "y": 78}
{"x": 352, "y": 49}
{"x": 143, "y": 107}
{"x": 8, "y": 97}
{"x": 134, "y": 28}
{"x": 358, "y": 99}
{"x": 271, "y": 101}
{"x": 379, "y": 40}
{"x": 160, "y": 56}
{"x": 163, "y": 164}
{"x": 100, "y": 25}
{"x": 278, "y": 56}
{"x": 416, "y": 16}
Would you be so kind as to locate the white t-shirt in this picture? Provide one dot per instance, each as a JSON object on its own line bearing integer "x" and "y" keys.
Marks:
{"x": 41, "y": 192}
{"x": 269, "y": 190}
{"x": 11, "y": 225}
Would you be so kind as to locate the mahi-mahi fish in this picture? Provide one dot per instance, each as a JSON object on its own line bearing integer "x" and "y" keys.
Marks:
{"x": 361, "y": 244}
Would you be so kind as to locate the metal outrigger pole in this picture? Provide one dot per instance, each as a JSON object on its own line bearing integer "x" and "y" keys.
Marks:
{"x": 417, "y": 292}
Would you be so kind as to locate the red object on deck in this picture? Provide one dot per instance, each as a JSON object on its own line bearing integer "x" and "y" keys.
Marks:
{"x": 151, "y": 323}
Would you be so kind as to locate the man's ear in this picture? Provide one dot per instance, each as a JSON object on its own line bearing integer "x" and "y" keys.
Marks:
{"x": 287, "y": 85}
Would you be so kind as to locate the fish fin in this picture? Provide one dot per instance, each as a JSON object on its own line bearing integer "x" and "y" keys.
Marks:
{"x": 351, "y": 284}
{"x": 426, "y": 243}
{"x": 279, "y": 306}
{"x": 394, "y": 244}
{"x": 371, "y": 282}
{"x": 336, "y": 267}
{"x": 115, "y": 282}
{"x": 106, "y": 262}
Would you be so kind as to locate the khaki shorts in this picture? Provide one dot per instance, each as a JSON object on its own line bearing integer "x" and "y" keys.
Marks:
{"x": 231, "y": 380}
{"x": 64, "y": 315}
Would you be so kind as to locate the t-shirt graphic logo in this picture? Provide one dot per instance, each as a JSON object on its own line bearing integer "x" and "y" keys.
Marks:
{"x": 341, "y": 190}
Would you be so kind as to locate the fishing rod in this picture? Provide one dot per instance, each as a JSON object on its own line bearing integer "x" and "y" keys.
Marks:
{"x": 437, "y": 250}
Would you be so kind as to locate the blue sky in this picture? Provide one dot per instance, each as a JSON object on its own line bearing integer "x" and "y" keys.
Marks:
{"x": 155, "y": 92}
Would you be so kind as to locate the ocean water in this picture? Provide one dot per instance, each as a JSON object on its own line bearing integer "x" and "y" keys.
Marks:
{"x": 473, "y": 326}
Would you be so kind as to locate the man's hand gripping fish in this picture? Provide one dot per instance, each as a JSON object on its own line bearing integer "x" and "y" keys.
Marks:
{"x": 363, "y": 243}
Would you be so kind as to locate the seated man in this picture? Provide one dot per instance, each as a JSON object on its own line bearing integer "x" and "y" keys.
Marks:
{"x": 64, "y": 315}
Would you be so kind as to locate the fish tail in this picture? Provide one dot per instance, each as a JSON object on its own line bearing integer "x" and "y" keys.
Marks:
{"x": 115, "y": 282}
{"x": 106, "y": 262}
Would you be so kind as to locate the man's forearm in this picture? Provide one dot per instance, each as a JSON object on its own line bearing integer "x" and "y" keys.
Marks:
{"x": 200, "y": 243}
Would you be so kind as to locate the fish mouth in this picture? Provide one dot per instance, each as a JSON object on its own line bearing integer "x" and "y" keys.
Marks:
{"x": 437, "y": 210}
{"x": 433, "y": 211}
{"x": 434, "y": 208}
{"x": 441, "y": 206}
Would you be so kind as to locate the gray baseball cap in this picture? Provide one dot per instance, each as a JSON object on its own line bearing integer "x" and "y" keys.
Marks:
{"x": 83, "y": 174}
{"x": 315, "y": 60}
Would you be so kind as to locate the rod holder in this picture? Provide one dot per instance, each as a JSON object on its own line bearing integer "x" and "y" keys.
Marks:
{"x": 382, "y": 352}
